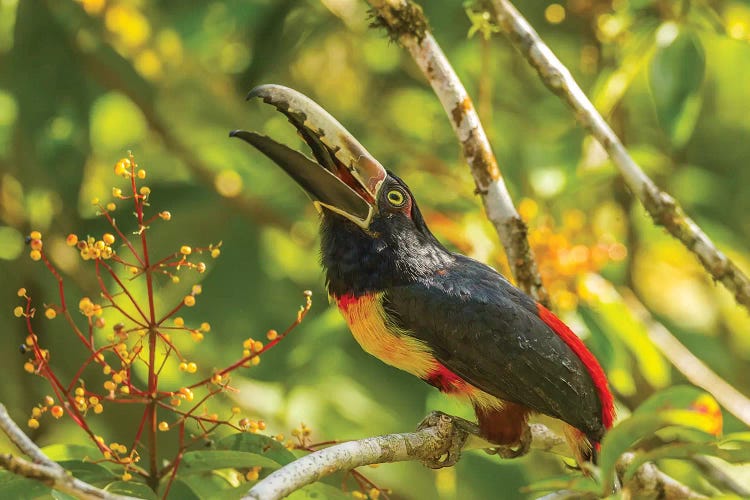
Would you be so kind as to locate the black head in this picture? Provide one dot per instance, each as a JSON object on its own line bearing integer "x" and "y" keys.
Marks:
{"x": 374, "y": 235}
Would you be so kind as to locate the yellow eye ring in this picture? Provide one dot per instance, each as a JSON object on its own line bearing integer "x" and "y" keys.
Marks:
{"x": 396, "y": 197}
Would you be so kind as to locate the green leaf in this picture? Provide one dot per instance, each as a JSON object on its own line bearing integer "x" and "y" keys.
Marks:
{"x": 677, "y": 406}
{"x": 257, "y": 443}
{"x": 132, "y": 489}
{"x": 13, "y": 486}
{"x": 580, "y": 485}
{"x": 180, "y": 490}
{"x": 89, "y": 472}
{"x": 58, "y": 452}
{"x": 319, "y": 491}
{"x": 676, "y": 78}
{"x": 205, "y": 461}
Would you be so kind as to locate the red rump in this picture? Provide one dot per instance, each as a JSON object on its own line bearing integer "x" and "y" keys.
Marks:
{"x": 588, "y": 359}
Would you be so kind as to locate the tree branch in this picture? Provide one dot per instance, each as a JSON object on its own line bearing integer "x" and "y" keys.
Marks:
{"x": 42, "y": 468}
{"x": 425, "y": 445}
{"x": 407, "y": 24}
{"x": 695, "y": 370}
{"x": 664, "y": 209}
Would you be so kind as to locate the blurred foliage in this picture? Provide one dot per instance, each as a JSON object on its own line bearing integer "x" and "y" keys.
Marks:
{"x": 81, "y": 82}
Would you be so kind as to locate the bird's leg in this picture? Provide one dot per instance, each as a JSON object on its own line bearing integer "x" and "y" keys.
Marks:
{"x": 524, "y": 445}
{"x": 456, "y": 431}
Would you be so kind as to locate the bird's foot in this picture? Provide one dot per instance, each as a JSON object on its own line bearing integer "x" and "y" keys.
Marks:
{"x": 519, "y": 450}
{"x": 454, "y": 430}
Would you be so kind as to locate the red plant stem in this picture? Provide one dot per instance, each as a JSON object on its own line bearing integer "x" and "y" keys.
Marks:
{"x": 177, "y": 459}
{"x": 300, "y": 316}
{"x": 170, "y": 313}
{"x": 86, "y": 363}
{"x": 124, "y": 289}
{"x": 112, "y": 222}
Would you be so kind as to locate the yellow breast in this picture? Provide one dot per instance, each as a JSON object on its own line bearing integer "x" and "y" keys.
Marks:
{"x": 392, "y": 345}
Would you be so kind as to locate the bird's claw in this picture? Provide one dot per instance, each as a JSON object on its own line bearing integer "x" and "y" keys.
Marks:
{"x": 523, "y": 447}
{"x": 455, "y": 431}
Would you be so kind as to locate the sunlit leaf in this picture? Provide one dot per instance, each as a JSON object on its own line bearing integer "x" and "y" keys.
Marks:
{"x": 203, "y": 461}
{"x": 258, "y": 444}
{"x": 59, "y": 452}
{"x": 131, "y": 488}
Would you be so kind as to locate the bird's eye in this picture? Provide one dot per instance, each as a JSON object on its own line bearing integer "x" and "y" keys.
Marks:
{"x": 396, "y": 197}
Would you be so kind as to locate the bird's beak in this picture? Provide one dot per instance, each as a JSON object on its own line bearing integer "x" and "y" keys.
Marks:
{"x": 344, "y": 177}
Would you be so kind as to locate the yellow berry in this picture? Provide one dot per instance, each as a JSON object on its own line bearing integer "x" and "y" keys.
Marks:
{"x": 175, "y": 401}
{"x": 48, "y": 400}
{"x": 145, "y": 191}
{"x": 374, "y": 494}
{"x": 50, "y": 313}
{"x": 261, "y": 425}
{"x": 189, "y": 300}
{"x": 108, "y": 238}
{"x": 163, "y": 426}
{"x": 245, "y": 353}
{"x": 178, "y": 321}
{"x": 215, "y": 253}
{"x": 125, "y": 389}
{"x": 21, "y": 292}
{"x": 99, "y": 245}
{"x": 186, "y": 250}
{"x": 127, "y": 476}
{"x": 197, "y": 289}
{"x": 141, "y": 174}
{"x": 279, "y": 437}
{"x": 33, "y": 423}
{"x": 252, "y": 475}
{"x": 216, "y": 378}
{"x": 192, "y": 367}
{"x": 36, "y": 244}
{"x": 35, "y": 235}
{"x": 272, "y": 334}
{"x": 116, "y": 192}
{"x": 257, "y": 346}
{"x": 205, "y": 327}
{"x": 165, "y": 215}
{"x": 175, "y": 279}
{"x": 117, "y": 378}
{"x": 235, "y": 409}
{"x": 94, "y": 201}
{"x": 18, "y": 311}
{"x": 36, "y": 412}
{"x": 111, "y": 206}
{"x": 71, "y": 240}
{"x": 79, "y": 391}
{"x": 133, "y": 270}
{"x": 196, "y": 336}
{"x": 122, "y": 167}
{"x": 200, "y": 267}
{"x": 255, "y": 361}
{"x": 183, "y": 367}
{"x": 98, "y": 408}
{"x": 57, "y": 411}
{"x": 35, "y": 255}
{"x": 107, "y": 370}
{"x": 29, "y": 367}
{"x": 109, "y": 385}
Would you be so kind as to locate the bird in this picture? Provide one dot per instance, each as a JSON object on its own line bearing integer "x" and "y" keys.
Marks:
{"x": 443, "y": 317}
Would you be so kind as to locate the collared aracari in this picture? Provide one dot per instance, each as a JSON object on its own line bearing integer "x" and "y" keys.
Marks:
{"x": 452, "y": 321}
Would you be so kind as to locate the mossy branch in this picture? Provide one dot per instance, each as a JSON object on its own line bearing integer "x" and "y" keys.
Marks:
{"x": 406, "y": 24}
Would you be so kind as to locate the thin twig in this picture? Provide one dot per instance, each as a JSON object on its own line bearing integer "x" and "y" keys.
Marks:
{"x": 663, "y": 209}
{"x": 650, "y": 482}
{"x": 407, "y": 24}
{"x": 695, "y": 370}
{"x": 42, "y": 468}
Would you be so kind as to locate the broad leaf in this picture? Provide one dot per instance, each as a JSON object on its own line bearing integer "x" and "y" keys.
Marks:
{"x": 206, "y": 461}
{"x": 132, "y": 489}
{"x": 89, "y": 472}
{"x": 59, "y": 452}
{"x": 257, "y": 443}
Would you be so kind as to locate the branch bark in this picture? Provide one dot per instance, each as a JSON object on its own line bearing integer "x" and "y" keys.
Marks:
{"x": 426, "y": 444}
{"x": 407, "y": 24}
{"x": 664, "y": 209}
{"x": 42, "y": 468}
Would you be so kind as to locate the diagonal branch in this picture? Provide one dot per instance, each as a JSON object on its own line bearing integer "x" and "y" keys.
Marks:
{"x": 42, "y": 468}
{"x": 407, "y": 24}
{"x": 664, "y": 209}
